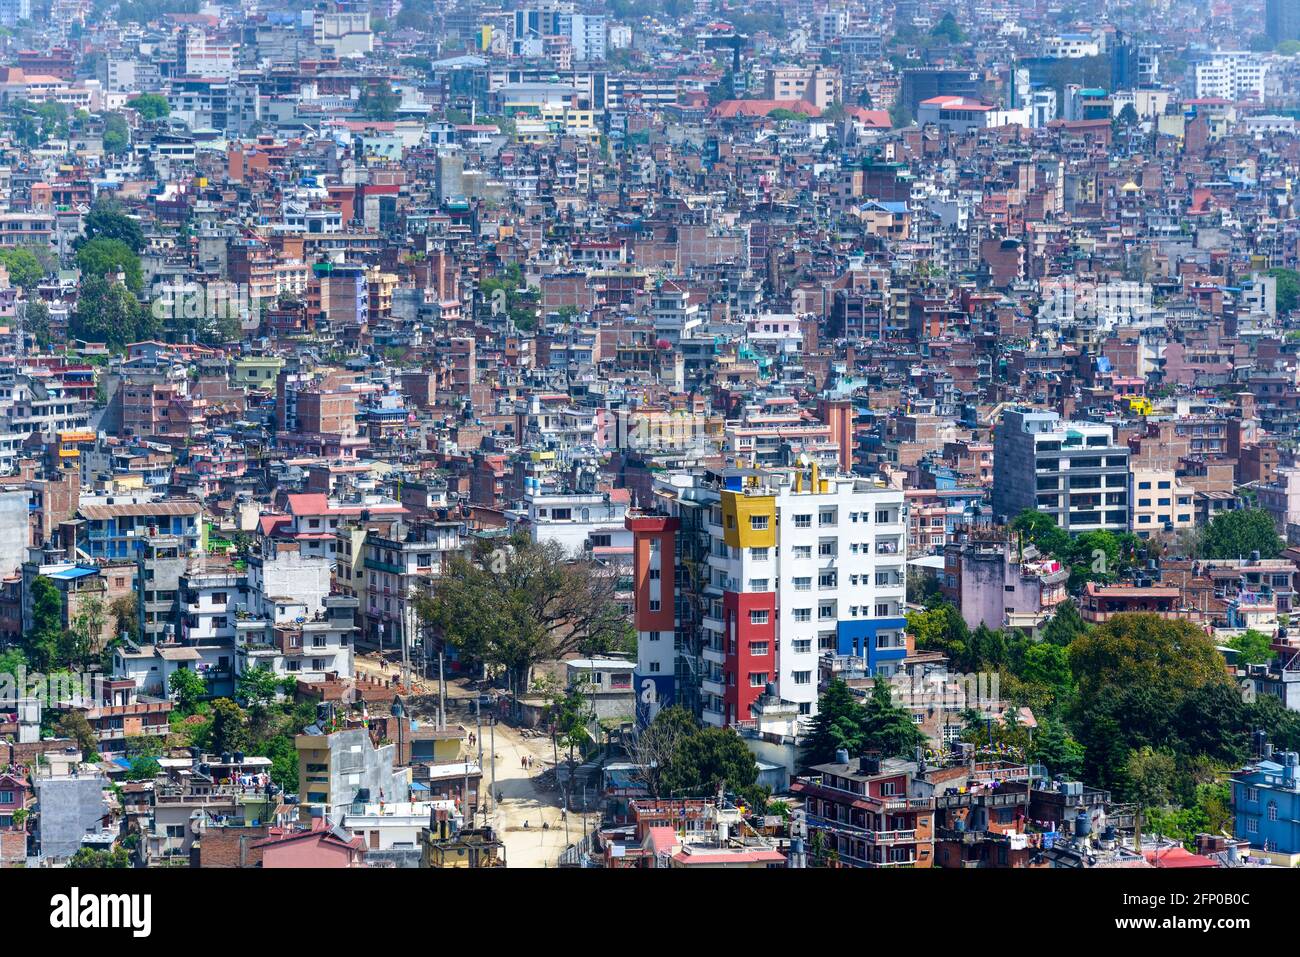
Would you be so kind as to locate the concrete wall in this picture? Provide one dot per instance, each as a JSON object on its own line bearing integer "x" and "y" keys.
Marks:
{"x": 69, "y": 808}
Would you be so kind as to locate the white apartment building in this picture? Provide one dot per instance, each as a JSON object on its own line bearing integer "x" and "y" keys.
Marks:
{"x": 1231, "y": 75}
{"x": 799, "y": 564}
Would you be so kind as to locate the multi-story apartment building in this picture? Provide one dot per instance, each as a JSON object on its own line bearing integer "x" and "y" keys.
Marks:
{"x": 866, "y": 814}
{"x": 1072, "y": 471}
{"x": 1160, "y": 503}
{"x": 792, "y": 564}
{"x": 1231, "y": 75}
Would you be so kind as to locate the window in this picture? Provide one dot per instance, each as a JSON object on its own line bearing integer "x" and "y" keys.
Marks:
{"x": 803, "y": 521}
{"x": 654, "y": 604}
{"x": 803, "y": 614}
{"x": 758, "y": 554}
{"x": 882, "y": 517}
{"x": 826, "y": 517}
{"x": 757, "y": 679}
{"x": 758, "y": 649}
{"x": 801, "y": 551}
{"x": 654, "y": 574}
{"x": 758, "y": 617}
{"x": 802, "y": 584}
{"x": 827, "y": 580}
{"x": 882, "y": 610}
{"x": 1252, "y": 825}
{"x": 758, "y": 584}
{"x": 758, "y": 523}
{"x": 826, "y": 611}
{"x": 652, "y": 635}
{"x": 801, "y": 646}
{"x": 827, "y": 547}
{"x": 803, "y": 677}
{"x": 654, "y": 667}
{"x": 1252, "y": 794}
{"x": 1272, "y": 810}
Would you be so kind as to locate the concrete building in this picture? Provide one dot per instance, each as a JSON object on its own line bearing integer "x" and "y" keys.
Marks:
{"x": 1160, "y": 504}
{"x": 1072, "y": 471}
{"x": 69, "y": 807}
{"x": 338, "y": 769}
{"x": 797, "y": 563}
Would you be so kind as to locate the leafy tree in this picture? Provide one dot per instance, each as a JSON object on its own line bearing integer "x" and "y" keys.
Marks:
{"x": 886, "y": 727}
{"x": 44, "y": 641}
{"x": 710, "y": 759}
{"x": 229, "y": 731}
{"x": 571, "y": 715}
{"x": 1214, "y": 721}
{"x": 284, "y": 762}
{"x": 108, "y": 312}
{"x": 1171, "y": 657}
{"x": 257, "y": 686}
{"x": 1041, "y": 531}
{"x": 37, "y": 320}
{"x": 117, "y": 135}
{"x": 90, "y": 857}
{"x": 106, "y": 257}
{"x": 379, "y": 102}
{"x": 1066, "y": 624}
{"x": 1128, "y": 116}
{"x": 143, "y": 768}
{"x": 1237, "y": 533}
{"x": 514, "y": 603}
{"x": 943, "y": 629}
{"x": 150, "y": 106}
{"x": 24, "y": 268}
{"x": 106, "y": 220}
{"x": 1053, "y": 747}
{"x": 657, "y": 745}
{"x": 1253, "y": 647}
{"x": 125, "y": 618}
{"x": 187, "y": 688}
{"x": 73, "y": 724}
{"x": 1152, "y": 777}
{"x": 838, "y": 725}
{"x": 948, "y": 29}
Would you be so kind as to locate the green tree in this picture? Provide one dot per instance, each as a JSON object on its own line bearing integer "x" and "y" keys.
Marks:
{"x": 36, "y": 317}
{"x": 838, "y": 725}
{"x": 710, "y": 759}
{"x": 1171, "y": 657}
{"x": 126, "y": 621}
{"x": 24, "y": 268}
{"x": 1041, "y": 531}
{"x": 379, "y": 102}
{"x": 89, "y": 857}
{"x": 187, "y": 688}
{"x": 42, "y": 643}
{"x": 514, "y": 603}
{"x": 117, "y": 135}
{"x": 1237, "y": 533}
{"x": 886, "y": 727}
{"x": 1053, "y": 747}
{"x": 150, "y": 106}
{"x": 1152, "y": 777}
{"x": 106, "y": 220}
{"x": 948, "y": 30}
{"x": 73, "y": 724}
{"x": 106, "y": 257}
{"x": 108, "y": 312}
{"x": 1253, "y": 647}
{"x": 143, "y": 768}
{"x": 229, "y": 730}
{"x": 257, "y": 686}
{"x": 656, "y": 746}
{"x": 1066, "y": 624}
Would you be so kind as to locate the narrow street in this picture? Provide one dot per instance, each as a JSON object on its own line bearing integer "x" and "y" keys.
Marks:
{"x": 522, "y": 800}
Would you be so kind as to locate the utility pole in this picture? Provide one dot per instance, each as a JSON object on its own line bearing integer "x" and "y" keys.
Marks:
{"x": 478, "y": 708}
{"x": 493, "y": 728}
{"x": 442, "y": 695}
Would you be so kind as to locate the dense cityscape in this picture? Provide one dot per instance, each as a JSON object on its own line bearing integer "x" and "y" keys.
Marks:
{"x": 649, "y": 434}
